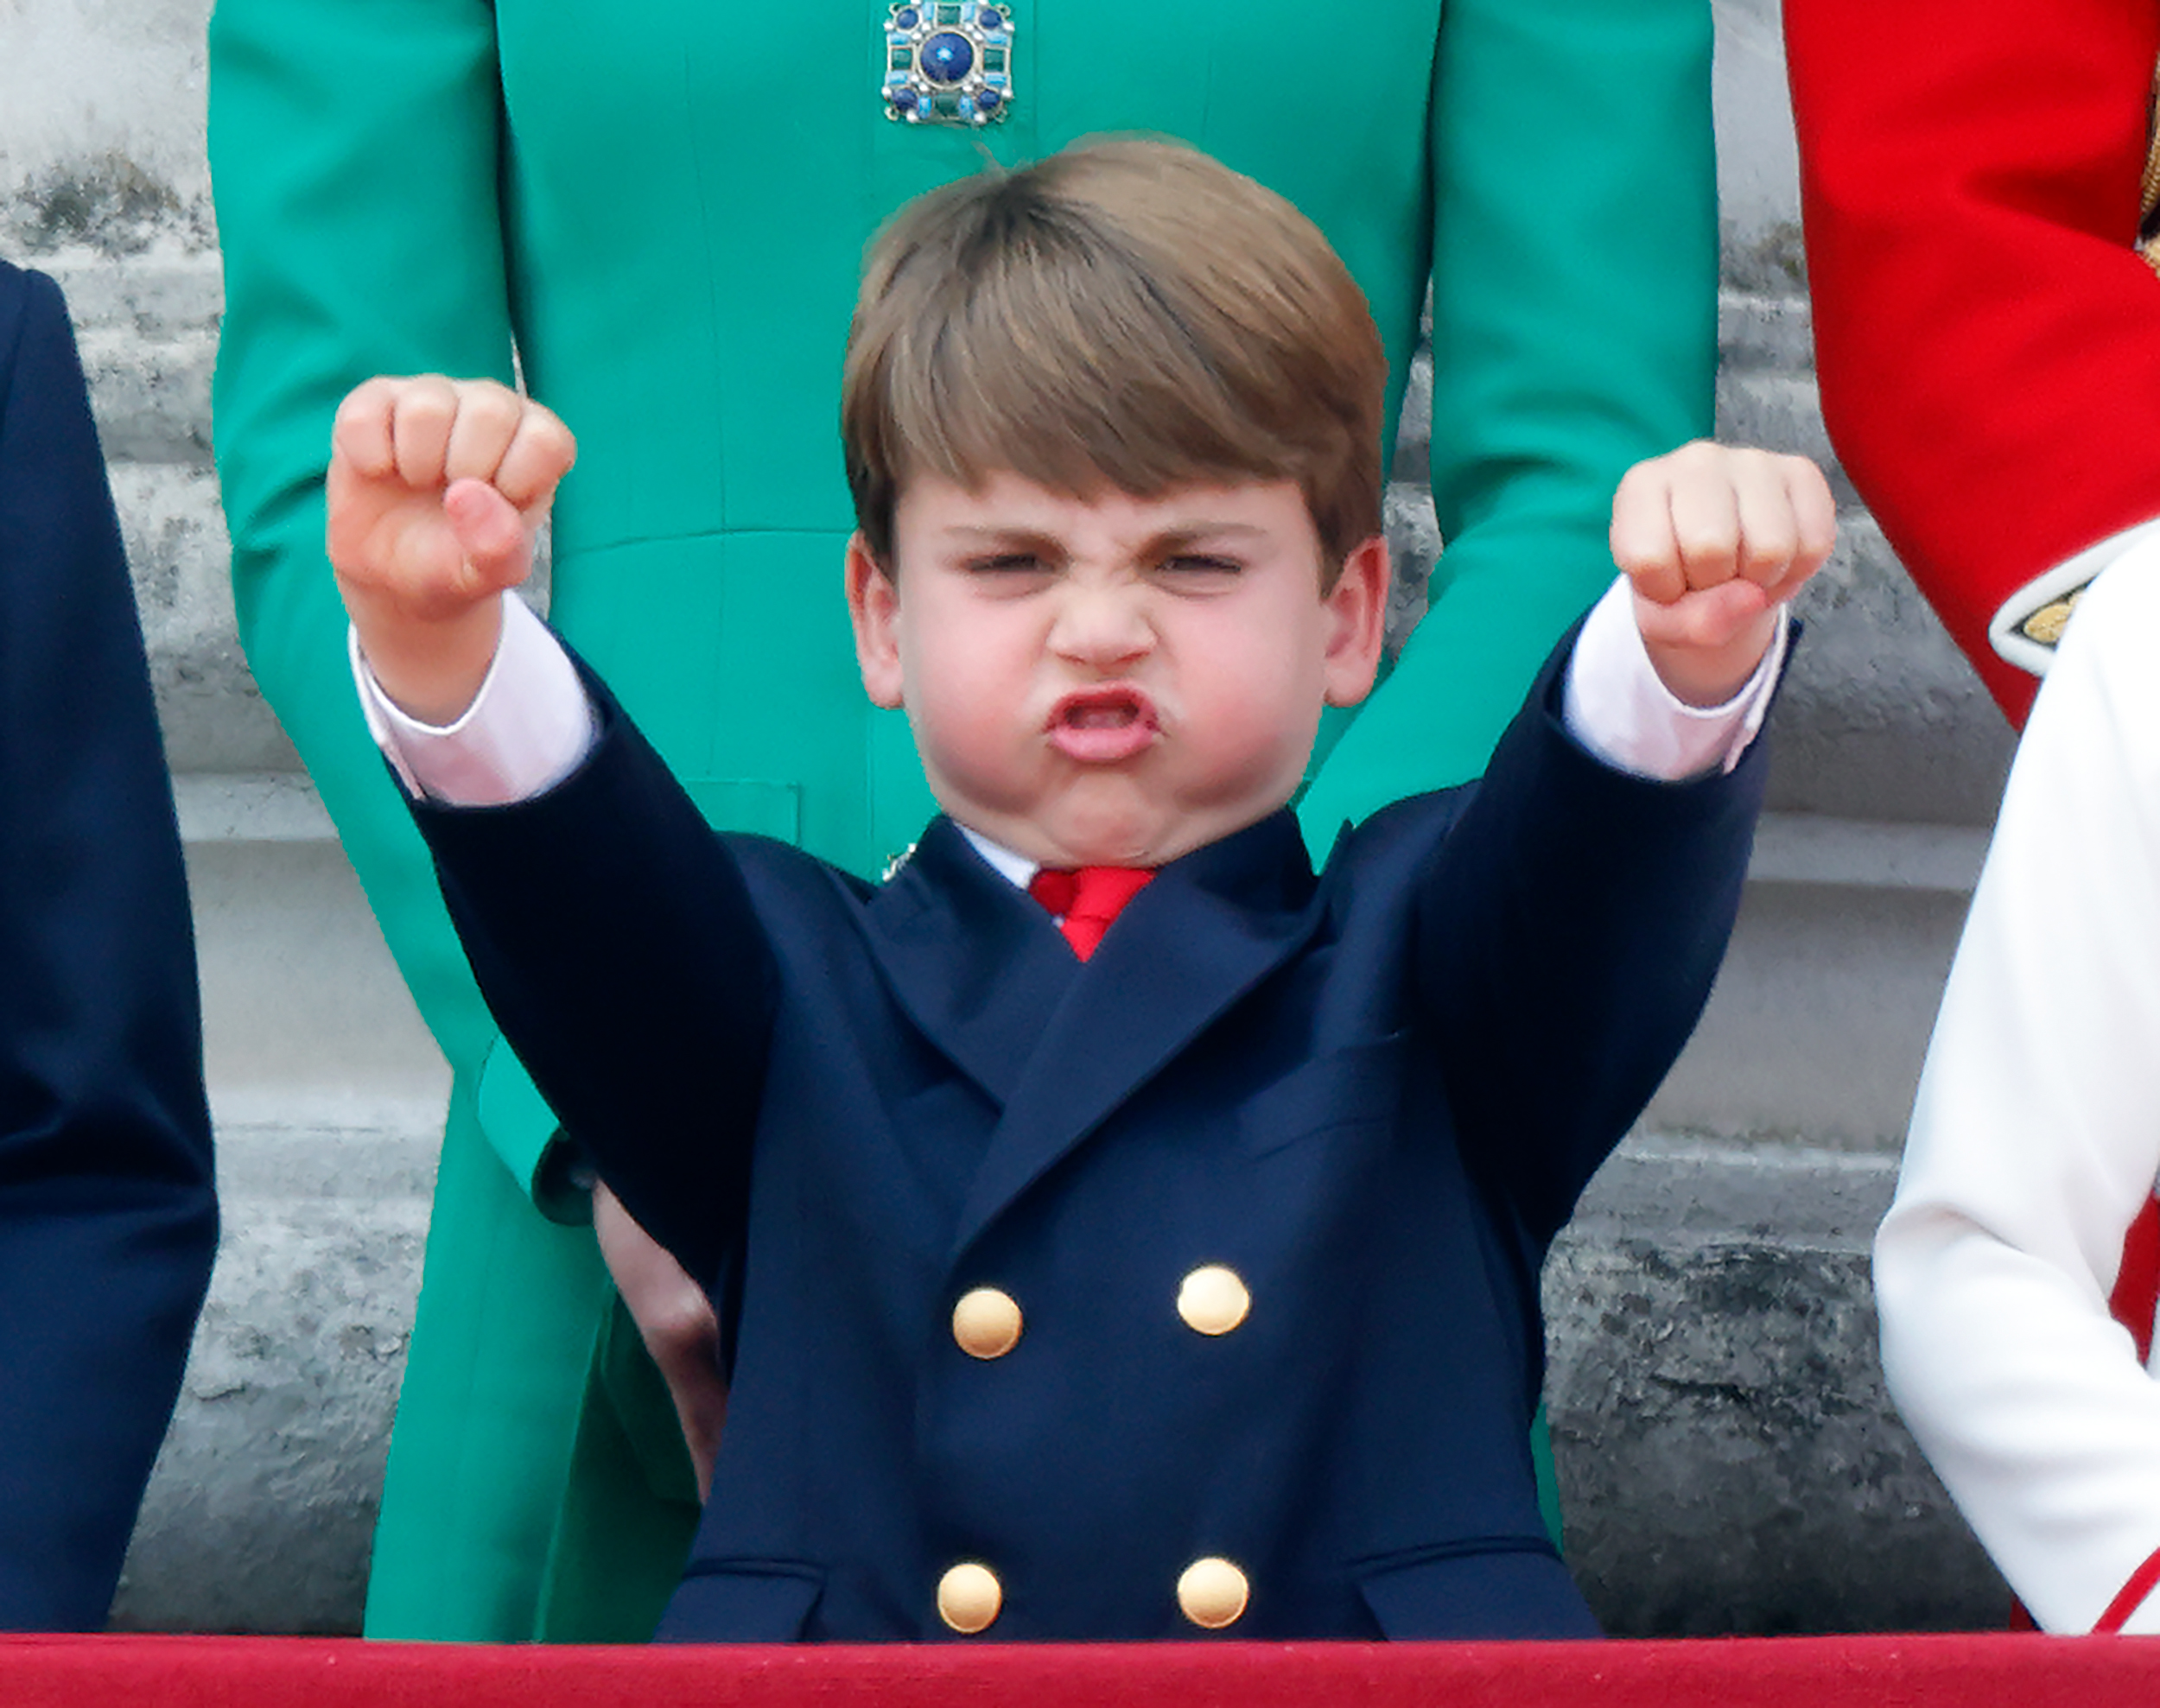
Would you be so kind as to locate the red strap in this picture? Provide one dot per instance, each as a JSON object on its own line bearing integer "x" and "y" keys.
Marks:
{"x": 2128, "y": 1598}
{"x": 2137, "y": 1296}
{"x": 2133, "y": 1304}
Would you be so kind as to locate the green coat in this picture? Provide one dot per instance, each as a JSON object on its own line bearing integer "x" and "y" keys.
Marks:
{"x": 663, "y": 204}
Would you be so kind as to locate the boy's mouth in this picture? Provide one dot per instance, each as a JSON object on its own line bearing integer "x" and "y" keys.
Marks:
{"x": 1101, "y": 726}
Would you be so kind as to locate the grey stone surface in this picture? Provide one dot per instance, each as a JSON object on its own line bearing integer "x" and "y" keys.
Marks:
{"x": 303, "y": 1010}
{"x": 1758, "y": 169}
{"x": 259, "y": 1514}
{"x": 1883, "y": 718}
{"x": 101, "y": 124}
{"x": 1728, "y": 1460}
{"x": 327, "y": 1095}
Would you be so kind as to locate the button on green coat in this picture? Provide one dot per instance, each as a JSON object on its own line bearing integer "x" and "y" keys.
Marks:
{"x": 661, "y": 207}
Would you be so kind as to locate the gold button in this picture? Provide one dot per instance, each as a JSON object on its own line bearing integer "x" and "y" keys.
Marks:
{"x": 1212, "y": 1592}
{"x": 970, "y": 1596}
{"x": 1213, "y": 1300}
{"x": 986, "y": 1323}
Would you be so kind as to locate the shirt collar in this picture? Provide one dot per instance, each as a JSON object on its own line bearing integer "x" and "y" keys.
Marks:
{"x": 1016, "y": 869}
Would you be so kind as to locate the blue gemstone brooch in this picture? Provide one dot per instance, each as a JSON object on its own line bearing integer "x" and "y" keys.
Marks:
{"x": 948, "y": 62}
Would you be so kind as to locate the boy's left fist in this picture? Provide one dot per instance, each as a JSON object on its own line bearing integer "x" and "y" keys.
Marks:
{"x": 1714, "y": 539}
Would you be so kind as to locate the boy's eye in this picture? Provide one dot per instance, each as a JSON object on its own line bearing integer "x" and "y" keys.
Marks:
{"x": 1192, "y": 563}
{"x": 1004, "y": 563}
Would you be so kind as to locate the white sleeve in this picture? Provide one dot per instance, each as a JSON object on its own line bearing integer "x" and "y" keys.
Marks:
{"x": 2036, "y": 1142}
{"x": 1614, "y": 704}
{"x": 530, "y": 725}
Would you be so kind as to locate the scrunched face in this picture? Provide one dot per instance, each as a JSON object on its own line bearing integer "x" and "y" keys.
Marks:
{"x": 1113, "y": 680}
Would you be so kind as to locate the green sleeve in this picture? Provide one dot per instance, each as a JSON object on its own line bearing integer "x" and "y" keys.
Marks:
{"x": 354, "y": 146}
{"x": 1574, "y": 333}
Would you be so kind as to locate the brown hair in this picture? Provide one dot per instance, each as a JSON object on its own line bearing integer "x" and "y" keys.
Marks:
{"x": 1129, "y": 313}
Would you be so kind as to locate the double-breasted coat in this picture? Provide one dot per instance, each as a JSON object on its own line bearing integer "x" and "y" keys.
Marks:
{"x": 1356, "y": 1106}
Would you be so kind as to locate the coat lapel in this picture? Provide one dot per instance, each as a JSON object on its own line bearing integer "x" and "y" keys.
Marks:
{"x": 1206, "y": 931}
{"x": 975, "y": 962}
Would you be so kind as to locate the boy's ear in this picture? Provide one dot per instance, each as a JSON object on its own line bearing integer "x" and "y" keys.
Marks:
{"x": 1358, "y": 609}
{"x": 874, "y": 608}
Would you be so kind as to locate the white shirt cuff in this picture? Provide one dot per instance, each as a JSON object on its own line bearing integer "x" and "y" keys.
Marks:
{"x": 530, "y": 725}
{"x": 1615, "y": 706}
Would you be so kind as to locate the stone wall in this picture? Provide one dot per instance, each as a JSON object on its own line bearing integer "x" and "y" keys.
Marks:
{"x": 1729, "y": 1459}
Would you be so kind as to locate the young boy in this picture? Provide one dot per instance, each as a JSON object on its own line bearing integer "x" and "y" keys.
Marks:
{"x": 1186, "y": 1283}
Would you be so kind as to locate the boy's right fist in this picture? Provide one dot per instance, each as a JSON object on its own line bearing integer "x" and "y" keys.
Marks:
{"x": 436, "y": 489}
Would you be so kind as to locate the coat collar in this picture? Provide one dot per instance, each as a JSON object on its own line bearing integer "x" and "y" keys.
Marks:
{"x": 983, "y": 970}
{"x": 976, "y": 963}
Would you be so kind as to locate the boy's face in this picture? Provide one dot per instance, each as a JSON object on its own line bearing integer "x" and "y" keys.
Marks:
{"x": 1113, "y": 680}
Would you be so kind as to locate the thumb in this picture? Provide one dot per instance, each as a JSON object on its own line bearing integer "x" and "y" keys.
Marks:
{"x": 495, "y": 539}
{"x": 1706, "y": 616}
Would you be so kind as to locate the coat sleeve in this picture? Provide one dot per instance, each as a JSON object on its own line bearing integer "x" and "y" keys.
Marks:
{"x": 2036, "y": 1142}
{"x": 1574, "y": 333}
{"x": 107, "y": 1217}
{"x": 1570, "y": 927}
{"x": 613, "y": 932}
{"x": 355, "y": 147}
{"x": 1987, "y": 339}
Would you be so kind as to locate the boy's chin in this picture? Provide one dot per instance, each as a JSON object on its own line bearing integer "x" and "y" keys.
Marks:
{"x": 1071, "y": 841}
{"x": 1125, "y": 838}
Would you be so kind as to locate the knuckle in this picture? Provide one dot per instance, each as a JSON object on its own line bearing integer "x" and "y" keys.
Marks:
{"x": 357, "y": 407}
{"x": 1706, "y": 543}
{"x": 421, "y": 408}
{"x": 490, "y": 405}
{"x": 1768, "y": 550}
{"x": 552, "y": 435}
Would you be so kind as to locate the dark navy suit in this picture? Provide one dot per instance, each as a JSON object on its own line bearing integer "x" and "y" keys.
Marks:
{"x": 1375, "y": 1095}
{"x": 107, "y": 1217}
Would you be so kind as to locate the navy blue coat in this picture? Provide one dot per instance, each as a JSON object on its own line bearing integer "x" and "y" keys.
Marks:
{"x": 108, "y": 1220}
{"x": 1375, "y": 1095}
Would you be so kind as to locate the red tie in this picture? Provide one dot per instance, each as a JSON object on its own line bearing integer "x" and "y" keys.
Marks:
{"x": 1086, "y": 900}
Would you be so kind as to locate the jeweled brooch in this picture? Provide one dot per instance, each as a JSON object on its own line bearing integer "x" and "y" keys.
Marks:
{"x": 948, "y": 62}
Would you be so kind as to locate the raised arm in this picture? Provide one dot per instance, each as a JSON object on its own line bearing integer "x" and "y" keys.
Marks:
{"x": 608, "y": 928}
{"x": 1575, "y": 334}
{"x": 1988, "y": 339}
{"x": 1580, "y": 910}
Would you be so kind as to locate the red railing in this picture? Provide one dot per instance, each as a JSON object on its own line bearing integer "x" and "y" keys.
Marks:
{"x": 1874, "y": 1672}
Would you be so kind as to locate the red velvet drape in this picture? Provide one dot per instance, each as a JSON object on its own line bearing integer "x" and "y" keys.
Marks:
{"x": 2030, "y": 1671}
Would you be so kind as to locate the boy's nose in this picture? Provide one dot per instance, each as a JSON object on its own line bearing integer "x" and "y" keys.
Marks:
{"x": 1104, "y": 628}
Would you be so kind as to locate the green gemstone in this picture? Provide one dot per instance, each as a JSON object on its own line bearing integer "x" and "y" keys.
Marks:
{"x": 945, "y": 103}
{"x": 993, "y": 59}
{"x": 901, "y": 59}
{"x": 945, "y": 14}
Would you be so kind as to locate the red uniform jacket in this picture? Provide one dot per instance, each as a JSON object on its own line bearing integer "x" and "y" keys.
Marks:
{"x": 1988, "y": 339}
